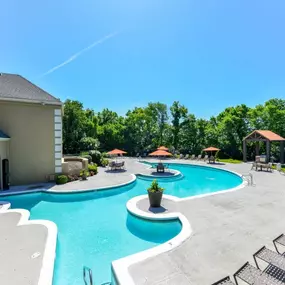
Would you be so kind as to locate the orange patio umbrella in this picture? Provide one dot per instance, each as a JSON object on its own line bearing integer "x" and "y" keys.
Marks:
{"x": 162, "y": 148}
{"x": 211, "y": 148}
{"x": 160, "y": 153}
{"x": 116, "y": 152}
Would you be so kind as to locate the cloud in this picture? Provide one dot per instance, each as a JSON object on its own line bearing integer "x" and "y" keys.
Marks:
{"x": 76, "y": 55}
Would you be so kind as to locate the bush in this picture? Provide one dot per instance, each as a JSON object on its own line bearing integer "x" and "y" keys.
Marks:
{"x": 88, "y": 143}
{"x": 89, "y": 157}
{"x": 104, "y": 162}
{"x": 96, "y": 156}
{"x": 93, "y": 168}
{"x": 61, "y": 179}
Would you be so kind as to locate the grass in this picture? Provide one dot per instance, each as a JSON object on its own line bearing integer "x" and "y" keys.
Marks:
{"x": 230, "y": 160}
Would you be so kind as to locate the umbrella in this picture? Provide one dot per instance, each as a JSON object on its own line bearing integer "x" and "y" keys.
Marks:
{"x": 162, "y": 148}
{"x": 160, "y": 153}
{"x": 211, "y": 149}
{"x": 116, "y": 152}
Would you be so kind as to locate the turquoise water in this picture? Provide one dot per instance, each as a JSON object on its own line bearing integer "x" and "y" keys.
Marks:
{"x": 95, "y": 228}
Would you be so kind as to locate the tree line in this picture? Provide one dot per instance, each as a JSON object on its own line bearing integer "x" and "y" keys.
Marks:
{"x": 143, "y": 129}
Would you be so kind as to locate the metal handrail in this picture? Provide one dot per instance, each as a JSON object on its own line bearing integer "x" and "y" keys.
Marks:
{"x": 89, "y": 271}
{"x": 249, "y": 178}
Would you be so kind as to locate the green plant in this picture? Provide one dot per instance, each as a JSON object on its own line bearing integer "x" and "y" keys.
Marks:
{"x": 96, "y": 156}
{"x": 89, "y": 157}
{"x": 84, "y": 172}
{"x": 93, "y": 167}
{"x": 104, "y": 162}
{"x": 61, "y": 179}
{"x": 154, "y": 187}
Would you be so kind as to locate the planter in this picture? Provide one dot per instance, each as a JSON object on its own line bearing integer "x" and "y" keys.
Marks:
{"x": 155, "y": 198}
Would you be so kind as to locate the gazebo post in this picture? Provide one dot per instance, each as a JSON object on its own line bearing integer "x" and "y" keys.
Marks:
{"x": 282, "y": 151}
{"x": 257, "y": 148}
{"x": 244, "y": 150}
{"x": 268, "y": 144}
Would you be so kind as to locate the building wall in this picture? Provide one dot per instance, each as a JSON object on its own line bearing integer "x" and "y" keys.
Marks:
{"x": 35, "y": 145}
{"x": 4, "y": 153}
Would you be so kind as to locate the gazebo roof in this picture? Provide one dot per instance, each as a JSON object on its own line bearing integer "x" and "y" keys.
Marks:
{"x": 263, "y": 134}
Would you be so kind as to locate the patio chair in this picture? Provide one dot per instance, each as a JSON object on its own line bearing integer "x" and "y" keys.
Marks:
{"x": 181, "y": 156}
{"x": 160, "y": 168}
{"x": 224, "y": 281}
{"x": 251, "y": 275}
{"x": 186, "y": 156}
{"x": 199, "y": 157}
{"x": 206, "y": 157}
{"x": 111, "y": 165}
{"x": 193, "y": 157}
{"x": 212, "y": 159}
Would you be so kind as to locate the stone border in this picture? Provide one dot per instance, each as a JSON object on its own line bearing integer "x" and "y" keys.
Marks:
{"x": 133, "y": 179}
{"x": 46, "y": 273}
{"x": 120, "y": 266}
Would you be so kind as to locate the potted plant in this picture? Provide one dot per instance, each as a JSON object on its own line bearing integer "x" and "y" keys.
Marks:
{"x": 155, "y": 194}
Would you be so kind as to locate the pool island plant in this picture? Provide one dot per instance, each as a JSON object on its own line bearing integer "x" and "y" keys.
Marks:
{"x": 155, "y": 194}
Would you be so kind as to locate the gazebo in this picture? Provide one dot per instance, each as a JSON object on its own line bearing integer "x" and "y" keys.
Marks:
{"x": 267, "y": 137}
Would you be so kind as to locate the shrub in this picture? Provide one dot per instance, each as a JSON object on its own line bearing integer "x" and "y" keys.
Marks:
{"x": 96, "y": 156}
{"x": 61, "y": 179}
{"x": 104, "y": 162}
{"x": 93, "y": 168}
{"x": 88, "y": 143}
{"x": 89, "y": 157}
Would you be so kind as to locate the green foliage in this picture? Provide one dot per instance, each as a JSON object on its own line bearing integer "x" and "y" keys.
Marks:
{"x": 84, "y": 172}
{"x": 230, "y": 160}
{"x": 143, "y": 129}
{"x": 154, "y": 187}
{"x": 89, "y": 157}
{"x": 93, "y": 167}
{"x": 104, "y": 162}
{"x": 88, "y": 143}
{"x": 96, "y": 156}
{"x": 61, "y": 179}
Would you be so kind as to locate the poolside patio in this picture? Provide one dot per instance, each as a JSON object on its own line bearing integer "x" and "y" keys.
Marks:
{"x": 227, "y": 228}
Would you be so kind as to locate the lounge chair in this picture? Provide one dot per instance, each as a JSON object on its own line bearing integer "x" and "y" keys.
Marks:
{"x": 224, "y": 281}
{"x": 186, "y": 156}
{"x": 199, "y": 157}
{"x": 181, "y": 156}
{"x": 206, "y": 157}
{"x": 271, "y": 257}
{"x": 279, "y": 240}
{"x": 193, "y": 157}
{"x": 251, "y": 275}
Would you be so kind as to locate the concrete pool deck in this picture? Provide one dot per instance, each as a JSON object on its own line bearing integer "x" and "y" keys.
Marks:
{"x": 227, "y": 228}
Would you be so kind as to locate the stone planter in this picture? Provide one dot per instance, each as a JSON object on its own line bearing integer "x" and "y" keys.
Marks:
{"x": 155, "y": 198}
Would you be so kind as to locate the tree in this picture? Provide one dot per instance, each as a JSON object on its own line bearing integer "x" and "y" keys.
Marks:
{"x": 178, "y": 113}
{"x": 75, "y": 124}
{"x": 158, "y": 115}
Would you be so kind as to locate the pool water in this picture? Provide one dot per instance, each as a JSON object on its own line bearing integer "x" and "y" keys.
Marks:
{"x": 94, "y": 228}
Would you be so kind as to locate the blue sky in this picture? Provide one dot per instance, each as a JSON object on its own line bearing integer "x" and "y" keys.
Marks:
{"x": 206, "y": 54}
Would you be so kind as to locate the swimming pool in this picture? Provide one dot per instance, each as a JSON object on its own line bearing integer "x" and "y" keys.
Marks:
{"x": 94, "y": 228}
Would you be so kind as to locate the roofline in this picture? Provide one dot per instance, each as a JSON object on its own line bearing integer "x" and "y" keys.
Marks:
{"x": 258, "y": 131}
{"x": 8, "y": 99}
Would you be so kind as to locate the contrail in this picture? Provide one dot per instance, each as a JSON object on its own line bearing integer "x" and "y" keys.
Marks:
{"x": 73, "y": 57}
